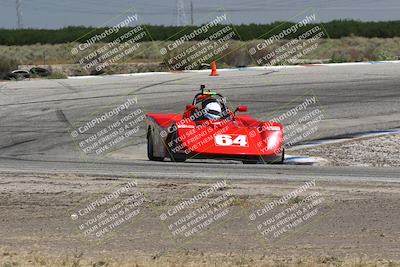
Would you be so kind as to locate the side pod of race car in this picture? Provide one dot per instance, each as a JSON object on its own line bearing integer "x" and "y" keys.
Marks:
{"x": 208, "y": 129}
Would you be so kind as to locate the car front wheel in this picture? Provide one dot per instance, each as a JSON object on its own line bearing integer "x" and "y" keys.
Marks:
{"x": 150, "y": 148}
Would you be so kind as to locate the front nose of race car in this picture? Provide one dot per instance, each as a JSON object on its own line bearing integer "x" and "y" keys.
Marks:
{"x": 230, "y": 138}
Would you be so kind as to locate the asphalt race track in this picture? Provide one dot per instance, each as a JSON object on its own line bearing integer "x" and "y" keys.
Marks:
{"x": 36, "y": 117}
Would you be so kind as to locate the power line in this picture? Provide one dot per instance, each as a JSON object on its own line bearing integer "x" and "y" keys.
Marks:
{"x": 180, "y": 13}
{"x": 19, "y": 14}
{"x": 191, "y": 13}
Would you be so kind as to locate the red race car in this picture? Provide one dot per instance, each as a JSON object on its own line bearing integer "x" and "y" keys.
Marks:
{"x": 208, "y": 129}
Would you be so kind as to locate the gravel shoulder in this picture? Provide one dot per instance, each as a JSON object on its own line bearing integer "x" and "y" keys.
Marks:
{"x": 380, "y": 151}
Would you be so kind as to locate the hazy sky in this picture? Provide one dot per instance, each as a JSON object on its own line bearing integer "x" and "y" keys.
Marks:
{"x": 60, "y": 13}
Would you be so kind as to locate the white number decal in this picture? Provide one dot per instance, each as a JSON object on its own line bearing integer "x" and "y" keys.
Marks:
{"x": 231, "y": 140}
{"x": 241, "y": 140}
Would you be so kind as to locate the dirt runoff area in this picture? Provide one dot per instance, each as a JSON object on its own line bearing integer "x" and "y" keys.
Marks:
{"x": 382, "y": 151}
{"x": 78, "y": 220}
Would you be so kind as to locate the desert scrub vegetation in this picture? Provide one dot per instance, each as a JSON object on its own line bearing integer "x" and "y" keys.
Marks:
{"x": 356, "y": 49}
{"x": 8, "y": 64}
{"x": 347, "y": 49}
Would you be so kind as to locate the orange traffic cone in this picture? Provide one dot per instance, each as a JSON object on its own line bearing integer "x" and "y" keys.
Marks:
{"x": 213, "y": 69}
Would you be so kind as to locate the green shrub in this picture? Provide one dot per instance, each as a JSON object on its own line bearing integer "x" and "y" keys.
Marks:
{"x": 340, "y": 57}
{"x": 57, "y": 75}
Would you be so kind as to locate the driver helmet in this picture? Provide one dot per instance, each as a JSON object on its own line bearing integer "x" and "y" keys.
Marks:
{"x": 213, "y": 111}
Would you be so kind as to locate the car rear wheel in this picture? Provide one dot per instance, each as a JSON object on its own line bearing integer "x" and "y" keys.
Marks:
{"x": 279, "y": 159}
{"x": 150, "y": 148}
{"x": 176, "y": 157}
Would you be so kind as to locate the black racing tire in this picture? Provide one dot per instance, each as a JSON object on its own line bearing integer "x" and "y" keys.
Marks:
{"x": 282, "y": 158}
{"x": 178, "y": 158}
{"x": 249, "y": 162}
{"x": 150, "y": 148}
{"x": 175, "y": 157}
{"x": 276, "y": 160}
{"x": 17, "y": 76}
{"x": 39, "y": 71}
{"x": 8, "y": 76}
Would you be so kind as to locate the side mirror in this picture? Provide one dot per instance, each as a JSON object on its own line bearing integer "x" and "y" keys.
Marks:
{"x": 241, "y": 109}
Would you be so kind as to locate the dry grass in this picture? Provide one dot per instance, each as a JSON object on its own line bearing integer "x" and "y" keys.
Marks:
{"x": 346, "y": 49}
{"x": 147, "y": 57}
{"x": 8, "y": 64}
